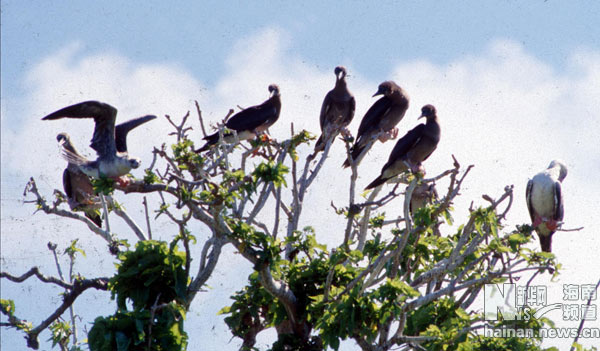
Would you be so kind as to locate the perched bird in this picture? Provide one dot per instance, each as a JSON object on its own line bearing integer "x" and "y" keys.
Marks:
{"x": 77, "y": 185}
{"x": 423, "y": 195}
{"x": 545, "y": 203}
{"x": 412, "y": 149}
{"x": 381, "y": 118}
{"x": 337, "y": 110}
{"x": 249, "y": 122}
{"x": 110, "y": 142}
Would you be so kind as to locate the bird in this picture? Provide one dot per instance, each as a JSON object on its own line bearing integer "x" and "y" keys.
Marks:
{"x": 337, "y": 110}
{"x": 413, "y": 148}
{"x": 423, "y": 195}
{"x": 110, "y": 142}
{"x": 77, "y": 185}
{"x": 545, "y": 202}
{"x": 250, "y": 122}
{"x": 381, "y": 118}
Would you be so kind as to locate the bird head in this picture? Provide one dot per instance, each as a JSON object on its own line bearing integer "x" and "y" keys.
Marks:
{"x": 62, "y": 138}
{"x": 64, "y": 142}
{"x": 274, "y": 90}
{"x": 563, "y": 169}
{"x": 428, "y": 111}
{"x": 386, "y": 88}
{"x": 134, "y": 162}
{"x": 340, "y": 72}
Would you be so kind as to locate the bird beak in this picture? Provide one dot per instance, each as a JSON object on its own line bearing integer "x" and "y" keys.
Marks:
{"x": 421, "y": 116}
{"x": 379, "y": 92}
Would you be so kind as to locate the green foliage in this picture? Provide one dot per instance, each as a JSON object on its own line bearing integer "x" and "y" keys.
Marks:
{"x": 153, "y": 273}
{"x": 246, "y": 185}
{"x": 73, "y": 250}
{"x": 103, "y": 185}
{"x": 482, "y": 343}
{"x": 151, "y": 177}
{"x": 376, "y": 221}
{"x": 8, "y": 309}
{"x": 301, "y": 138}
{"x": 185, "y": 157}
{"x": 442, "y": 319}
{"x": 61, "y": 331}
{"x": 270, "y": 172}
{"x": 306, "y": 275}
{"x": 252, "y": 306}
{"x": 578, "y": 347}
{"x": 154, "y": 280}
{"x": 156, "y": 330}
{"x": 268, "y": 250}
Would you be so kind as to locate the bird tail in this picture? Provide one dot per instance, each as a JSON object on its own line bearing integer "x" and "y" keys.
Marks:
{"x": 377, "y": 182}
{"x": 320, "y": 145}
{"x": 356, "y": 153}
{"x": 210, "y": 141}
{"x": 546, "y": 242}
{"x": 94, "y": 217}
{"x": 72, "y": 157}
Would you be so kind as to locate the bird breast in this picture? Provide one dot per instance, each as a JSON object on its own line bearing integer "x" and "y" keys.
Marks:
{"x": 542, "y": 195}
{"x": 115, "y": 168}
{"x": 337, "y": 112}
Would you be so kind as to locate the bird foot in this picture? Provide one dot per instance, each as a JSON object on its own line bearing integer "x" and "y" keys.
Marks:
{"x": 390, "y": 134}
{"x": 552, "y": 225}
{"x": 265, "y": 138}
{"x": 123, "y": 181}
{"x": 345, "y": 133}
{"x": 418, "y": 168}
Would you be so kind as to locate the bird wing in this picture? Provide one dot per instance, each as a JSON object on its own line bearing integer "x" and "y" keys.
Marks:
{"x": 374, "y": 115}
{"x": 252, "y": 117}
{"x": 122, "y": 129}
{"x": 104, "y": 116}
{"x": 348, "y": 118}
{"x": 405, "y": 143}
{"x": 67, "y": 183}
{"x": 73, "y": 157}
{"x": 559, "y": 210}
{"x": 324, "y": 109}
{"x": 528, "y": 193}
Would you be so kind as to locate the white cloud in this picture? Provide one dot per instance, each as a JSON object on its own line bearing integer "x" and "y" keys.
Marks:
{"x": 505, "y": 111}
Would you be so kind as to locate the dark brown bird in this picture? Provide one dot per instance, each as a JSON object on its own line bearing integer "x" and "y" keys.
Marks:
{"x": 337, "y": 110}
{"x": 77, "y": 185}
{"x": 381, "y": 118}
{"x": 250, "y": 122}
{"x": 413, "y": 148}
{"x": 110, "y": 142}
{"x": 545, "y": 202}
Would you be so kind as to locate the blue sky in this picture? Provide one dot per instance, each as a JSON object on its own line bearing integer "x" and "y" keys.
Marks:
{"x": 516, "y": 84}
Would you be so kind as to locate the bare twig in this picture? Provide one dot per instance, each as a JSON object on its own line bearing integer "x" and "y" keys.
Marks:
{"x": 35, "y": 271}
{"x": 145, "y": 203}
{"x": 119, "y": 211}
{"x": 200, "y": 118}
{"x": 75, "y": 289}
{"x": 569, "y": 230}
{"x": 52, "y": 247}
